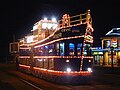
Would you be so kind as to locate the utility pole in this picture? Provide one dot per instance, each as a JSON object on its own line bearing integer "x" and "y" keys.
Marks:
{"x": 112, "y": 48}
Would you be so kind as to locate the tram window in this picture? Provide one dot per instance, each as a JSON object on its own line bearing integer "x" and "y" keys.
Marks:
{"x": 51, "y": 48}
{"x": 71, "y": 49}
{"x": 87, "y": 50}
{"x": 62, "y": 49}
{"x": 57, "y": 49}
{"x": 42, "y": 51}
{"x": 79, "y": 46}
{"x": 46, "y": 50}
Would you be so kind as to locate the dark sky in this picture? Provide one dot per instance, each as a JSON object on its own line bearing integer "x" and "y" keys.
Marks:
{"x": 18, "y": 16}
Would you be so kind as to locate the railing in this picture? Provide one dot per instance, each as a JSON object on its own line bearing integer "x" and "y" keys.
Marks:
{"x": 68, "y": 21}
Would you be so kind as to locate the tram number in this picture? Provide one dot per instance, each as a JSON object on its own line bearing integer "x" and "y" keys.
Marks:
{"x": 65, "y": 30}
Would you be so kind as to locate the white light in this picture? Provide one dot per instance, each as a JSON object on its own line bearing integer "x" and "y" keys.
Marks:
{"x": 49, "y": 25}
{"x": 89, "y": 70}
{"x": 54, "y": 19}
{"x": 45, "y": 19}
{"x": 68, "y": 70}
{"x": 44, "y": 25}
{"x": 29, "y": 39}
{"x": 35, "y": 27}
{"x": 67, "y": 60}
{"x": 55, "y": 26}
{"x": 39, "y": 60}
{"x": 89, "y": 60}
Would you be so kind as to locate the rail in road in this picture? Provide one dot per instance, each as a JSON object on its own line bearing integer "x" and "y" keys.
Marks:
{"x": 30, "y": 84}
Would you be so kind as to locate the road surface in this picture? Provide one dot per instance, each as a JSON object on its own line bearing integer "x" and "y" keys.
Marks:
{"x": 14, "y": 80}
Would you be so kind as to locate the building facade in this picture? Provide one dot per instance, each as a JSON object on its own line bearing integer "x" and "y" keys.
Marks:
{"x": 109, "y": 53}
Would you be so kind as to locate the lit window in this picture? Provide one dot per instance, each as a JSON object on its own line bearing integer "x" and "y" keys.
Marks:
{"x": 79, "y": 46}
{"x": 71, "y": 49}
{"x": 62, "y": 49}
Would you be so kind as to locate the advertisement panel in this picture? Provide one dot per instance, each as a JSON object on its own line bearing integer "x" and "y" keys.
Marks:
{"x": 46, "y": 63}
{"x": 51, "y": 63}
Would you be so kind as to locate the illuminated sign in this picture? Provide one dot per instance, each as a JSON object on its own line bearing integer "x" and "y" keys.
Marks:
{"x": 114, "y": 43}
{"x": 96, "y": 53}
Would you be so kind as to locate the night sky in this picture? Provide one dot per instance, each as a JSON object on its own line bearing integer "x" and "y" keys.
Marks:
{"x": 17, "y": 17}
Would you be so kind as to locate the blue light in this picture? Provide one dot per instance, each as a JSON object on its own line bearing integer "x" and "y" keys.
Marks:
{"x": 71, "y": 45}
{"x": 46, "y": 47}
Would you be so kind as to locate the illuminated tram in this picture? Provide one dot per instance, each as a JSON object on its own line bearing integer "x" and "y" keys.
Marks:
{"x": 59, "y": 51}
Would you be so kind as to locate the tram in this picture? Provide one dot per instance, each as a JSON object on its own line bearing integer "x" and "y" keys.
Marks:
{"x": 59, "y": 51}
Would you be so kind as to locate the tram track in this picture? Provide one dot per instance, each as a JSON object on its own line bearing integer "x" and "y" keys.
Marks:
{"x": 24, "y": 81}
{"x": 34, "y": 86}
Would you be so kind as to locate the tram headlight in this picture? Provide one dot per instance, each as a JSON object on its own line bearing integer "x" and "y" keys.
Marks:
{"x": 89, "y": 69}
{"x": 68, "y": 70}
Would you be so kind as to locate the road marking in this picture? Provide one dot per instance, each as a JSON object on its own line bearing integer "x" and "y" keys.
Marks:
{"x": 31, "y": 84}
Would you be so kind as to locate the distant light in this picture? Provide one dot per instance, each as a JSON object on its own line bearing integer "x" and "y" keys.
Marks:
{"x": 68, "y": 70}
{"x": 54, "y": 19}
{"x": 45, "y": 19}
{"x": 89, "y": 70}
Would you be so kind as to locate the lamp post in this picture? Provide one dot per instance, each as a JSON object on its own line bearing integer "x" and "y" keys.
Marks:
{"x": 112, "y": 48}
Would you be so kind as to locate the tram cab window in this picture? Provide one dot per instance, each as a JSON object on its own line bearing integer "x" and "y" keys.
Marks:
{"x": 87, "y": 50}
{"x": 62, "y": 48}
{"x": 79, "y": 47}
{"x": 57, "y": 49}
{"x": 71, "y": 49}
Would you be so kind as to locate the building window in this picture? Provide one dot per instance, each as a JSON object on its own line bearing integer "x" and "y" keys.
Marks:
{"x": 106, "y": 44}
